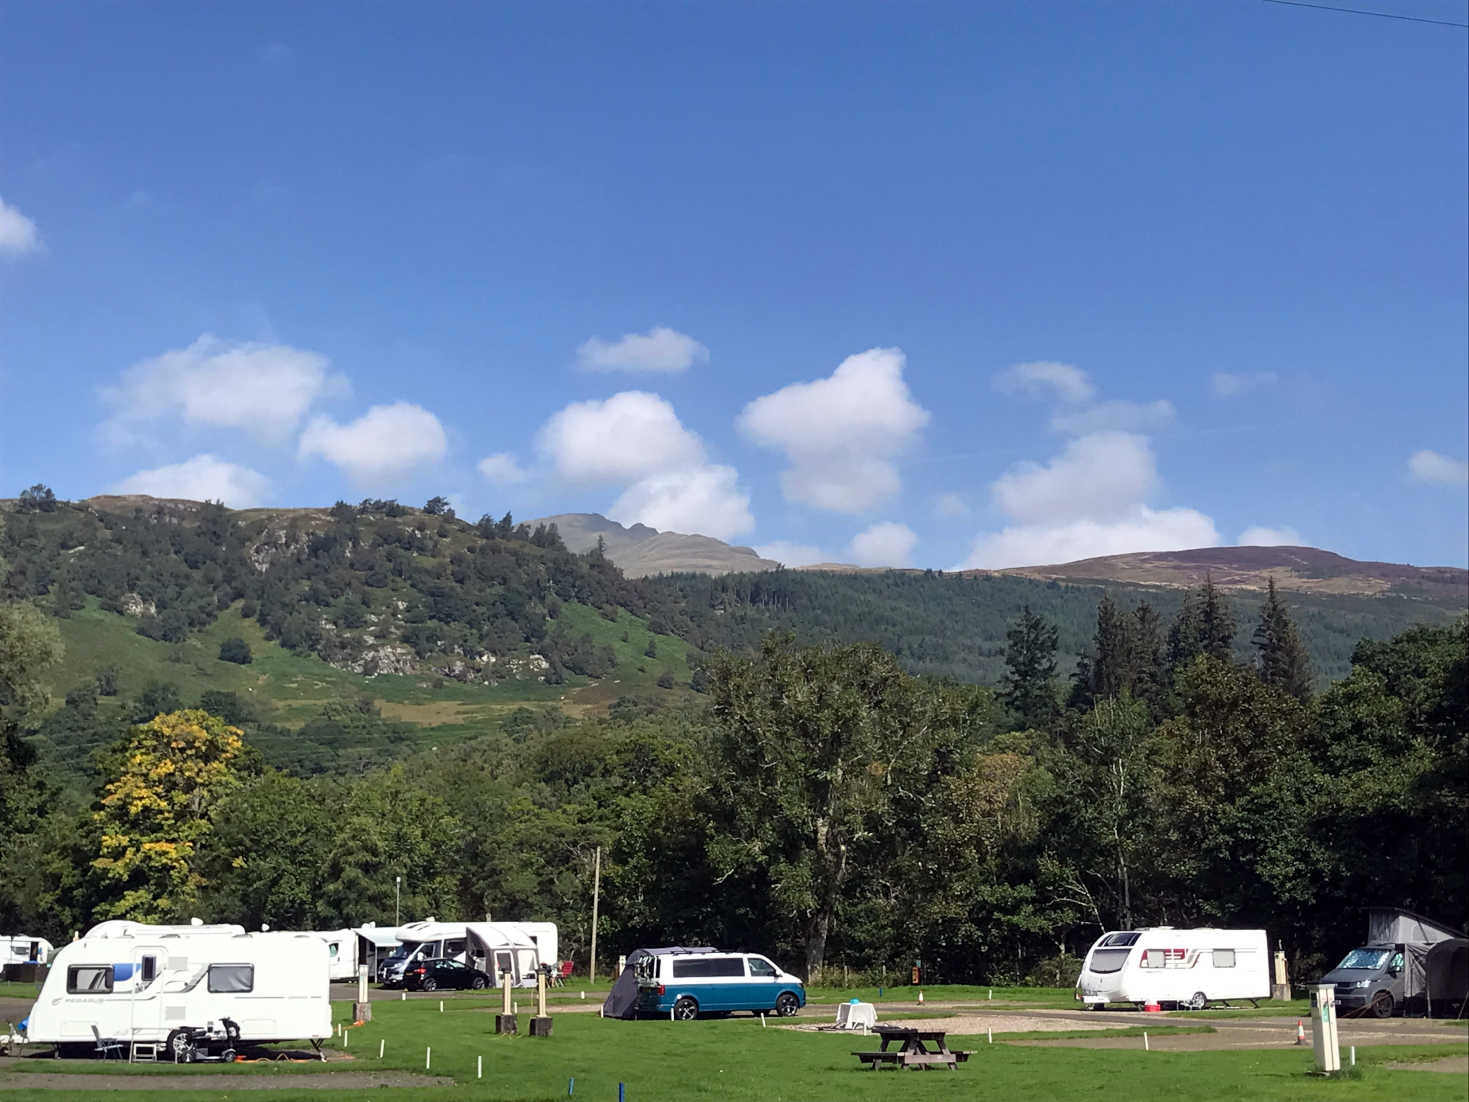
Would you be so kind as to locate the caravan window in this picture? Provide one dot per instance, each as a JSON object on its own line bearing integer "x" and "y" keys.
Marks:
{"x": 1223, "y": 958}
{"x": 1127, "y": 938}
{"x": 89, "y": 979}
{"x": 708, "y": 967}
{"x": 150, "y": 969}
{"x": 231, "y": 979}
{"x": 1109, "y": 960}
{"x": 1152, "y": 958}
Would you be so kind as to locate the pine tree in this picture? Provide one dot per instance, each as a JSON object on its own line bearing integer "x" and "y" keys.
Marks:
{"x": 1216, "y": 622}
{"x": 1112, "y": 666}
{"x": 1186, "y": 635}
{"x": 1282, "y": 660}
{"x": 1030, "y": 661}
{"x": 1150, "y": 675}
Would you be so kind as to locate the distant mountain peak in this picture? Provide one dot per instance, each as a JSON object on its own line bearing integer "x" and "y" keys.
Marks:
{"x": 640, "y": 550}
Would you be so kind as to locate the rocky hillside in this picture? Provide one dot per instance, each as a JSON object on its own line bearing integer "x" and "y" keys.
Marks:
{"x": 640, "y": 551}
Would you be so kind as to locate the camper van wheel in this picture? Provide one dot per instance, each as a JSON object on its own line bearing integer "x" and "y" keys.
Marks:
{"x": 180, "y": 1045}
{"x": 787, "y": 1005}
{"x": 1197, "y": 1001}
{"x": 1382, "y": 1005}
{"x": 686, "y": 1009}
{"x": 478, "y": 983}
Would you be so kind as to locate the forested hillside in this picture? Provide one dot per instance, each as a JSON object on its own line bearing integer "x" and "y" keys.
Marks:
{"x": 349, "y": 637}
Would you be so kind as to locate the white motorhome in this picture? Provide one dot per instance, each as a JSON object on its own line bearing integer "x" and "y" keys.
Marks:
{"x": 182, "y": 989}
{"x": 1187, "y": 968}
{"x": 24, "y": 949}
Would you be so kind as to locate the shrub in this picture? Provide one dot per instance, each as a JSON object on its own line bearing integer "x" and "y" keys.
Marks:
{"x": 235, "y": 650}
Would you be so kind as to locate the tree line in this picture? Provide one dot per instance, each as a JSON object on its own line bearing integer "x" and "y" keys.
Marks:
{"x": 822, "y": 804}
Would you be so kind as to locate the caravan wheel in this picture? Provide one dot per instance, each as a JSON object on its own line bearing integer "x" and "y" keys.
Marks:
{"x": 1198, "y": 1001}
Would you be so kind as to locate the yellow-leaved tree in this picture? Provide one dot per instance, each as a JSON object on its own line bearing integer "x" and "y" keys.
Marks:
{"x": 156, "y": 810}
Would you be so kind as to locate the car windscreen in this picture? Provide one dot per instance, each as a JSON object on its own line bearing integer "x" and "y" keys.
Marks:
{"x": 1108, "y": 960}
{"x": 1365, "y": 958}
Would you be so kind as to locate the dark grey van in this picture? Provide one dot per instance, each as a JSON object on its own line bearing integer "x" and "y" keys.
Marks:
{"x": 1369, "y": 978}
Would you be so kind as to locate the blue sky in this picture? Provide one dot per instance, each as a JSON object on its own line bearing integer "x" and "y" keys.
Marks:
{"x": 931, "y": 284}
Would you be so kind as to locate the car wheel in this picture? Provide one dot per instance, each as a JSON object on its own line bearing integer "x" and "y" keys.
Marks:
{"x": 1382, "y": 1005}
{"x": 180, "y": 1047}
{"x": 228, "y": 1056}
{"x": 430, "y": 984}
{"x": 478, "y": 983}
{"x": 1197, "y": 1001}
{"x": 787, "y": 1005}
{"x": 685, "y": 1009}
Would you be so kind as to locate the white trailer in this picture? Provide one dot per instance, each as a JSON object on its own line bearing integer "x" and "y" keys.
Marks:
{"x": 181, "y": 989}
{"x": 24, "y": 949}
{"x": 341, "y": 951}
{"x": 1187, "y": 968}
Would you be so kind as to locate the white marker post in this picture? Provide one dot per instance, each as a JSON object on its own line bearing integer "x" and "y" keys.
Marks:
{"x": 1145, "y": 1042}
{"x": 381, "y": 1047}
{"x": 428, "y": 1055}
{"x": 479, "y": 1067}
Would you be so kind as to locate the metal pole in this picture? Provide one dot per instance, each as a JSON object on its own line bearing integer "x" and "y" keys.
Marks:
{"x": 596, "y": 890}
{"x": 397, "y": 896}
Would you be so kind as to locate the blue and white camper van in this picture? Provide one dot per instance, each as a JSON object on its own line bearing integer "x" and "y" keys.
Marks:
{"x": 690, "y": 984}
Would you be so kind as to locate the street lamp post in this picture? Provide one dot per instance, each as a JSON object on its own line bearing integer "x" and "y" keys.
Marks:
{"x": 397, "y": 898}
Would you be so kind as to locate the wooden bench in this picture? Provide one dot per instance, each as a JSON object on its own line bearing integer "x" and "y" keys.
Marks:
{"x": 907, "y": 1058}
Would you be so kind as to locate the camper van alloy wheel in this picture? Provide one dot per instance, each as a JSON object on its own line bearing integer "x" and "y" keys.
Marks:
{"x": 686, "y": 1009}
{"x": 1197, "y": 1001}
{"x": 1382, "y": 1005}
{"x": 787, "y": 1005}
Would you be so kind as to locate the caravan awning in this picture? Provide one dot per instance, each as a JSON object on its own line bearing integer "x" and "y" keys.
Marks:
{"x": 381, "y": 937}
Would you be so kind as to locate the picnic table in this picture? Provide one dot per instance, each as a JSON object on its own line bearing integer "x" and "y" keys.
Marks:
{"x": 904, "y": 1047}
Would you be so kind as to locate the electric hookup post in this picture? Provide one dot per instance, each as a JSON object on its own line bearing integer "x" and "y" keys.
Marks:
{"x": 362, "y": 1009}
{"x": 506, "y": 1021}
{"x": 540, "y": 1025}
{"x": 1323, "y": 1027}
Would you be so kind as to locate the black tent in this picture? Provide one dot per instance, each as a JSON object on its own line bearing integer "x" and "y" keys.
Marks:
{"x": 622, "y": 1000}
{"x": 1446, "y": 973}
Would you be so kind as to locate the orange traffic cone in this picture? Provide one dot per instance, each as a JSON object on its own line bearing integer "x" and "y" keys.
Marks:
{"x": 1300, "y": 1033}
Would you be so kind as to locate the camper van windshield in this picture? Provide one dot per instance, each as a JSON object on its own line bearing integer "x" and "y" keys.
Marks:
{"x": 1108, "y": 960}
{"x": 1365, "y": 958}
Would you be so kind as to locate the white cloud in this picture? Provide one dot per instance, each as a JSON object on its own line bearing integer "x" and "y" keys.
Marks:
{"x": 260, "y": 389}
{"x": 704, "y": 500}
{"x": 793, "y": 554}
{"x": 1437, "y": 470}
{"x": 501, "y": 469}
{"x": 385, "y": 442}
{"x": 1090, "y": 500}
{"x": 1227, "y": 384}
{"x": 884, "y": 544}
{"x": 627, "y": 437}
{"x": 18, "y": 234}
{"x": 202, "y": 478}
{"x": 1138, "y": 528}
{"x": 660, "y": 349}
{"x": 1096, "y": 477}
{"x": 951, "y": 506}
{"x": 840, "y": 434}
{"x": 1114, "y": 417}
{"x": 1259, "y": 536}
{"x": 1064, "y": 381}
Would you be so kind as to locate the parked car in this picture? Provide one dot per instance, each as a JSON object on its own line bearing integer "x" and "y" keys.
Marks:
{"x": 390, "y": 969}
{"x": 430, "y": 975}
{"x": 691, "y": 984}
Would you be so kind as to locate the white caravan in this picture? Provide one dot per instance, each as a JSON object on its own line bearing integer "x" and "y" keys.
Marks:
{"x": 493, "y": 947}
{"x": 125, "y": 927}
{"x": 24, "y": 949}
{"x": 341, "y": 952}
{"x": 520, "y": 948}
{"x": 1188, "y": 968}
{"x": 182, "y": 989}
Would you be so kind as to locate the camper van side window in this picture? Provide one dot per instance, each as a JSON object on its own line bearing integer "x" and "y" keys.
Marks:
{"x": 1223, "y": 958}
{"x": 708, "y": 967}
{"x": 150, "y": 969}
{"x": 454, "y": 946}
{"x": 231, "y": 979}
{"x": 89, "y": 979}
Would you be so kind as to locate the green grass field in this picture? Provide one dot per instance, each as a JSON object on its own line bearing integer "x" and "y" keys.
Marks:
{"x": 739, "y": 1061}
